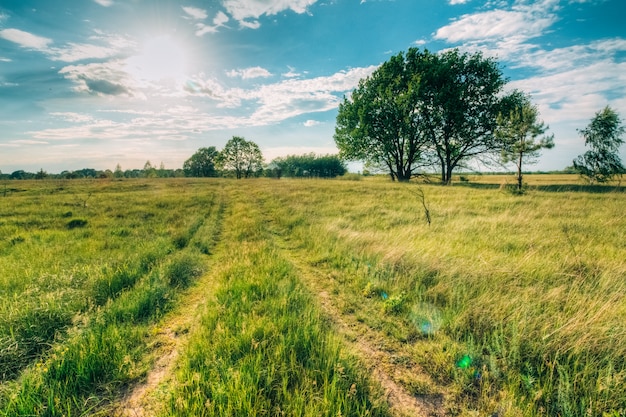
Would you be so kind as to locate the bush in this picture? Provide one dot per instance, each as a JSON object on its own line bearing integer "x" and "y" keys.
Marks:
{"x": 75, "y": 223}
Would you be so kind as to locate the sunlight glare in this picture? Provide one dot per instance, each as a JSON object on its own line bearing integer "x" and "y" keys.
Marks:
{"x": 161, "y": 58}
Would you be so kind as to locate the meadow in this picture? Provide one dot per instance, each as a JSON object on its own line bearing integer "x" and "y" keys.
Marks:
{"x": 312, "y": 298}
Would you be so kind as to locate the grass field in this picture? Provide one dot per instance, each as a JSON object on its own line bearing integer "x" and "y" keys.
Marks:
{"x": 312, "y": 297}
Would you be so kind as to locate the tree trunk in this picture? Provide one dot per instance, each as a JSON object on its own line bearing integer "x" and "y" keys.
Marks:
{"x": 519, "y": 173}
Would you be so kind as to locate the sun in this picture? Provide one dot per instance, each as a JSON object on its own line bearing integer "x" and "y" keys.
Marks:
{"x": 161, "y": 58}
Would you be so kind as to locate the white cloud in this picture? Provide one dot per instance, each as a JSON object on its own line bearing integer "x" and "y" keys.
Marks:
{"x": 73, "y": 117}
{"x": 252, "y": 24}
{"x": 29, "y": 142}
{"x": 73, "y": 52}
{"x": 219, "y": 21}
{"x": 195, "y": 13}
{"x": 295, "y": 97}
{"x": 272, "y": 103}
{"x": 243, "y": 10}
{"x": 104, "y": 3}
{"x": 25, "y": 39}
{"x": 521, "y": 24}
{"x": 453, "y": 2}
{"x": 311, "y": 123}
{"x": 576, "y": 93}
{"x": 566, "y": 58}
{"x": 291, "y": 73}
{"x": 249, "y": 73}
{"x": 104, "y": 79}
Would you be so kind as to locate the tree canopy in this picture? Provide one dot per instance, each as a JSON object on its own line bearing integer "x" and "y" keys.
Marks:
{"x": 422, "y": 109}
{"x": 520, "y": 132}
{"x": 242, "y": 157}
{"x": 202, "y": 163}
{"x": 309, "y": 165}
{"x": 603, "y": 136}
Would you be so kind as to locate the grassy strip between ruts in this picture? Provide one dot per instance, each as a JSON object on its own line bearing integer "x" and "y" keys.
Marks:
{"x": 262, "y": 347}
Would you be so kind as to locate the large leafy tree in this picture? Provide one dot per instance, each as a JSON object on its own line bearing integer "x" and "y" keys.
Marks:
{"x": 380, "y": 122}
{"x": 603, "y": 136}
{"x": 202, "y": 163}
{"x": 520, "y": 132}
{"x": 421, "y": 108}
{"x": 461, "y": 99}
{"x": 242, "y": 157}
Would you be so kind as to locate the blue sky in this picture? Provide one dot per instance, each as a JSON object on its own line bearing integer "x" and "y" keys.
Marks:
{"x": 94, "y": 83}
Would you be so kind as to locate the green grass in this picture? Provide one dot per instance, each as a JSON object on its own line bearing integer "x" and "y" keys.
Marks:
{"x": 529, "y": 287}
{"x": 262, "y": 348}
{"x": 511, "y": 304}
{"x": 72, "y": 338}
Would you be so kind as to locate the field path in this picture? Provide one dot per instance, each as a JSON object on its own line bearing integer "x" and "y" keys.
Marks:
{"x": 143, "y": 399}
{"x": 372, "y": 349}
{"x": 171, "y": 336}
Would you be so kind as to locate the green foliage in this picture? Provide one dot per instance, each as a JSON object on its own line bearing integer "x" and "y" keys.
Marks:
{"x": 379, "y": 122}
{"x": 604, "y": 136}
{"x": 242, "y": 157}
{"x": 308, "y": 165}
{"x": 202, "y": 163}
{"x": 519, "y": 132}
{"x": 424, "y": 110}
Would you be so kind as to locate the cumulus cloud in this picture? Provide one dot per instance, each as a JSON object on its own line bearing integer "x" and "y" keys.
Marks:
{"x": 311, "y": 123}
{"x": 107, "y": 79}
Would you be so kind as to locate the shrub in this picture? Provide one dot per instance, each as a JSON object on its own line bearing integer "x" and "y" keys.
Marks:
{"x": 75, "y": 223}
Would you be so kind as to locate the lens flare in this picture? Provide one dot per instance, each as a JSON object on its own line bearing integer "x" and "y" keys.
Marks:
{"x": 426, "y": 318}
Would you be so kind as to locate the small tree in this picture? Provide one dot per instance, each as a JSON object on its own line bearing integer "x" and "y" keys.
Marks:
{"x": 149, "y": 171}
{"x": 604, "y": 136}
{"x": 242, "y": 157}
{"x": 202, "y": 163}
{"x": 118, "y": 173}
{"x": 519, "y": 132}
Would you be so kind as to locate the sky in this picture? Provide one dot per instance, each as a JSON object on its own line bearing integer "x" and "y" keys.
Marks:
{"x": 96, "y": 83}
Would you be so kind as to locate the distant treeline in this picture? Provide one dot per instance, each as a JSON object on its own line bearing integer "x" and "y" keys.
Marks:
{"x": 308, "y": 165}
{"x": 299, "y": 166}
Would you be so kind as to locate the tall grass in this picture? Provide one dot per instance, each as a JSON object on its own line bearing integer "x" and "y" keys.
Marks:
{"x": 514, "y": 304}
{"x": 261, "y": 347}
{"x": 79, "y": 359}
{"x": 529, "y": 288}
